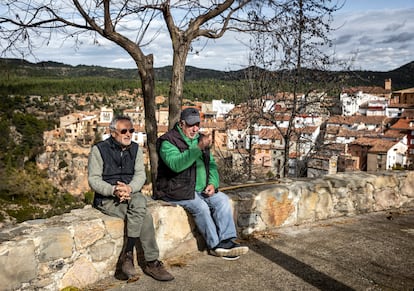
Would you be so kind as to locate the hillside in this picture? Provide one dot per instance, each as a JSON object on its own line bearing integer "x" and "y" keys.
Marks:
{"x": 53, "y": 69}
{"x": 401, "y": 77}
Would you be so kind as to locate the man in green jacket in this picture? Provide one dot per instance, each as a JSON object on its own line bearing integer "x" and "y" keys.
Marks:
{"x": 116, "y": 173}
{"x": 187, "y": 176}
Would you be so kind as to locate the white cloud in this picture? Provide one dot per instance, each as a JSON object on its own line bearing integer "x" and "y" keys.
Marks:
{"x": 381, "y": 38}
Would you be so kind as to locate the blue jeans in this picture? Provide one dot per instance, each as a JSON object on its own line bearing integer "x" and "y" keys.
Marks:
{"x": 213, "y": 216}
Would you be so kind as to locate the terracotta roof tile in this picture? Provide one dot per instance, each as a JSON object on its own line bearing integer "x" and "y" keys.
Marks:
{"x": 238, "y": 123}
{"x": 394, "y": 134}
{"x": 378, "y": 145}
{"x": 218, "y": 124}
{"x": 404, "y": 124}
{"x": 306, "y": 129}
{"x": 343, "y": 132}
{"x": 356, "y": 119}
{"x": 381, "y": 146}
{"x": 339, "y": 147}
{"x": 364, "y": 141}
{"x": 268, "y": 133}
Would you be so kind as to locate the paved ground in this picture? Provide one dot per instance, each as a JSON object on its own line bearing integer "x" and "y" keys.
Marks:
{"x": 368, "y": 252}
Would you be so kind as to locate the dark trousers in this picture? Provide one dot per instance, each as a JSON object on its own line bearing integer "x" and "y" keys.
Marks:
{"x": 138, "y": 221}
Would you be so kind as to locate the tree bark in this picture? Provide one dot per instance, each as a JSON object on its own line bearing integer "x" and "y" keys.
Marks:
{"x": 146, "y": 72}
{"x": 177, "y": 82}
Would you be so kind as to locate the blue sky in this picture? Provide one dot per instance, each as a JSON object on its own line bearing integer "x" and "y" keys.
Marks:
{"x": 375, "y": 34}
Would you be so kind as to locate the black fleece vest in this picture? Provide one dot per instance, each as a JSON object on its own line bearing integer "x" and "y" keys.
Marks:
{"x": 177, "y": 186}
{"x": 118, "y": 164}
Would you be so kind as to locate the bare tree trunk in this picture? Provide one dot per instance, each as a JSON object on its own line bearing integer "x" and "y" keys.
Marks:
{"x": 296, "y": 82}
{"x": 177, "y": 81}
{"x": 145, "y": 66}
{"x": 146, "y": 71}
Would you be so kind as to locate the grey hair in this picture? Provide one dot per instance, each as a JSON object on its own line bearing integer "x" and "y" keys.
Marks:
{"x": 112, "y": 125}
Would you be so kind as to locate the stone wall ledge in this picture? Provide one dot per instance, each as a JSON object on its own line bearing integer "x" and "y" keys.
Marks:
{"x": 82, "y": 247}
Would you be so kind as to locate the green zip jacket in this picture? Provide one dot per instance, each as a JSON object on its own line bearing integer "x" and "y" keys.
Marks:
{"x": 179, "y": 161}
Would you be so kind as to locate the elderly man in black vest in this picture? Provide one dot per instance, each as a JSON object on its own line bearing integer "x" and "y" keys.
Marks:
{"x": 116, "y": 173}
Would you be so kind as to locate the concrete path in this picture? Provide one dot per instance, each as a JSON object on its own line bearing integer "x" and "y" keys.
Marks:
{"x": 368, "y": 252}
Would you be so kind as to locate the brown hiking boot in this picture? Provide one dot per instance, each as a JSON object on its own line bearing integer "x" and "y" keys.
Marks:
{"x": 128, "y": 267}
{"x": 156, "y": 270}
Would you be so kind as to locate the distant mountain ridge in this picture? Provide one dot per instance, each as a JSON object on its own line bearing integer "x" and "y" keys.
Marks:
{"x": 402, "y": 77}
{"x": 55, "y": 69}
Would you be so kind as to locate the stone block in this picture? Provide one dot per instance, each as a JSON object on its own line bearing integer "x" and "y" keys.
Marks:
{"x": 364, "y": 199}
{"x": 407, "y": 185}
{"x": 248, "y": 219}
{"x": 385, "y": 199}
{"x": 80, "y": 275}
{"x": 114, "y": 226}
{"x": 17, "y": 263}
{"x": 88, "y": 232}
{"x": 324, "y": 206}
{"x": 246, "y": 205}
{"x": 102, "y": 251}
{"x": 46, "y": 269}
{"x": 306, "y": 210}
{"x": 275, "y": 206}
{"x": 172, "y": 226}
{"x": 55, "y": 243}
{"x": 385, "y": 181}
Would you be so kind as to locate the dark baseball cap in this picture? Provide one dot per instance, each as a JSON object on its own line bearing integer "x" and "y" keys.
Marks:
{"x": 190, "y": 115}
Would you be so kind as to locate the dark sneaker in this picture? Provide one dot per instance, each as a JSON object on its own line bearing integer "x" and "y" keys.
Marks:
{"x": 157, "y": 271}
{"x": 128, "y": 267}
{"x": 229, "y": 248}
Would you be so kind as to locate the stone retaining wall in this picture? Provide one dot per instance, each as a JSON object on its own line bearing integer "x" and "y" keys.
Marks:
{"x": 82, "y": 247}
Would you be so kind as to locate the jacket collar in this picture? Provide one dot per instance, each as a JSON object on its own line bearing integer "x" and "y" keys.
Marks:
{"x": 116, "y": 145}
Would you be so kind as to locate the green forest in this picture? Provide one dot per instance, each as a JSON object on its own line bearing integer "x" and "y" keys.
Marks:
{"x": 204, "y": 89}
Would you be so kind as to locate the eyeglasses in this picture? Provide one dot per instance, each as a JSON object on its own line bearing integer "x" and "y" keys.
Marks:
{"x": 192, "y": 125}
{"x": 124, "y": 131}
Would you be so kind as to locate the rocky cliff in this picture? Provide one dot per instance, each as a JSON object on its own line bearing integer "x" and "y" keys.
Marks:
{"x": 67, "y": 166}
